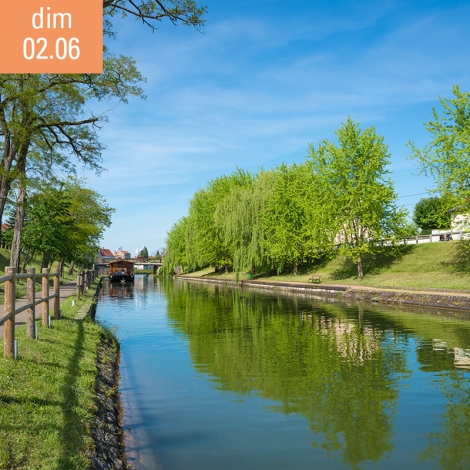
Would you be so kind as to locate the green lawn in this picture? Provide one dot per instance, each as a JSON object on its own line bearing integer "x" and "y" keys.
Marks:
{"x": 47, "y": 396}
{"x": 443, "y": 265}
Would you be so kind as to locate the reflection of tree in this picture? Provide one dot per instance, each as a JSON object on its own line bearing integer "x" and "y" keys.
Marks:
{"x": 440, "y": 353}
{"x": 450, "y": 445}
{"x": 338, "y": 375}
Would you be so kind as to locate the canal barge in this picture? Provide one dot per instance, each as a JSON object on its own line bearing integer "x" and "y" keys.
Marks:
{"x": 121, "y": 271}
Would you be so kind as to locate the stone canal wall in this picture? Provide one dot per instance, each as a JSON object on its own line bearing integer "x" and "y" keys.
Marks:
{"x": 441, "y": 300}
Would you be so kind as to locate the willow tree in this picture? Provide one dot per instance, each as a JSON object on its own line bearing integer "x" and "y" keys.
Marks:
{"x": 205, "y": 243}
{"x": 356, "y": 191}
{"x": 176, "y": 246}
{"x": 239, "y": 218}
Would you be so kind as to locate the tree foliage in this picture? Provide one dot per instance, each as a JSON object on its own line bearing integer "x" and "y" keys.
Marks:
{"x": 431, "y": 213}
{"x": 45, "y": 120}
{"x": 151, "y": 12}
{"x": 240, "y": 219}
{"x": 287, "y": 218}
{"x": 205, "y": 242}
{"x": 447, "y": 156}
{"x": 64, "y": 221}
{"x": 143, "y": 253}
{"x": 355, "y": 189}
{"x": 341, "y": 196}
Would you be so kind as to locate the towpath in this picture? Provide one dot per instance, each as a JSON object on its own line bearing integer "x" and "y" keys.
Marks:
{"x": 66, "y": 290}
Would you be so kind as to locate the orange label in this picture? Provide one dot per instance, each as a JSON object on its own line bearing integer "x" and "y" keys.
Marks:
{"x": 51, "y": 36}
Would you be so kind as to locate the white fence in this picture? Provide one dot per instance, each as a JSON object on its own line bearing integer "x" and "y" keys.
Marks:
{"x": 437, "y": 236}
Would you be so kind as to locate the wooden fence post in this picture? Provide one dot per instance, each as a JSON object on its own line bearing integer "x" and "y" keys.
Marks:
{"x": 45, "y": 295}
{"x": 31, "y": 299}
{"x": 82, "y": 283}
{"x": 57, "y": 294}
{"x": 9, "y": 307}
{"x": 78, "y": 285}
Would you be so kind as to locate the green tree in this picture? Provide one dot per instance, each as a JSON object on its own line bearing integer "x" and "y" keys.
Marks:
{"x": 356, "y": 193}
{"x": 64, "y": 222}
{"x": 42, "y": 124}
{"x": 176, "y": 246}
{"x": 204, "y": 241}
{"x": 48, "y": 226}
{"x": 431, "y": 213}
{"x": 143, "y": 253}
{"x": 287, "y": 217}
{"x": 447, "y": 157}
{"x": 91, "y": 215}
{"x": 239, "y": 218}
{"x": 44, "y": 113}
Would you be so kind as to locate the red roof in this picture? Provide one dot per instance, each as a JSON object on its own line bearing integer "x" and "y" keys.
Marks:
{"x": 106, "y": 252}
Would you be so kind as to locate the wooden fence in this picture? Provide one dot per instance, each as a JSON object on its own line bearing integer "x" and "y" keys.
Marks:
{"x": 84, "y": 280}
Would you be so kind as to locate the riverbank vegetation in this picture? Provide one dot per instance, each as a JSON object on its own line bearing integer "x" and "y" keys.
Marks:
{"x": 338, "y": 200}
{"x": 47, "y": 395}
{"x": 64, "y": 223}
{"x": 339, "y": 204}
{"x": 441, "y": 266}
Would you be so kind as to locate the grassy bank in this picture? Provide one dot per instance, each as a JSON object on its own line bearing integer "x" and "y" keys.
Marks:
{"x": 443, "y": 265}
{"x": 47, "y": 400}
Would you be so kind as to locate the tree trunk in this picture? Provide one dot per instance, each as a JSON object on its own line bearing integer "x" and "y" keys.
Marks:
{"x": 226, "y": 268}
{"x": 27, "y": 257}
{"x": 360, "y": 271}
{"x": 296, "y": 268}
{"x": 253, "y": 268}
{"x": 20, "y": 212}
{"x": 71, "y": 266}
{"x": 61, "y": 267}
{"x": 18, "y": 231}
{"x": 46, "y": 256}
{"x": 9, "y": 154}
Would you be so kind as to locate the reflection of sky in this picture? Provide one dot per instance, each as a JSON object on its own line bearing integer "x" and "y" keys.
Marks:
{"x": 263, "y": 80}
{"x": 180, "y": 418}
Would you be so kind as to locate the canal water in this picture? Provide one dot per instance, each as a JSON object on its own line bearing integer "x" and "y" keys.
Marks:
{"x": 214, "y": 377}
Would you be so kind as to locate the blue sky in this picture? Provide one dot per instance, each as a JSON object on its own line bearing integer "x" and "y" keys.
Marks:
{"x": 264, "y": 80}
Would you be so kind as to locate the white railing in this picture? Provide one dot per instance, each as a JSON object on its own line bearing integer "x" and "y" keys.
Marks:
{"x": 437, "y": 236}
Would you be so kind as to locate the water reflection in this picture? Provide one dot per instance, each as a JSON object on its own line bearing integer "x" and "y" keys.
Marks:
{"x": 340, "y": 374}
{"x": 378, "y": 387}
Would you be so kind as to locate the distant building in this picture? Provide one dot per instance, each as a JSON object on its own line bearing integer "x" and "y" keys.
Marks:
{"x": 122, "y": 254}
{"x": 460, "y": 221}
{"x": 105, "y": 255}
{"x": 460, "y": 217}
